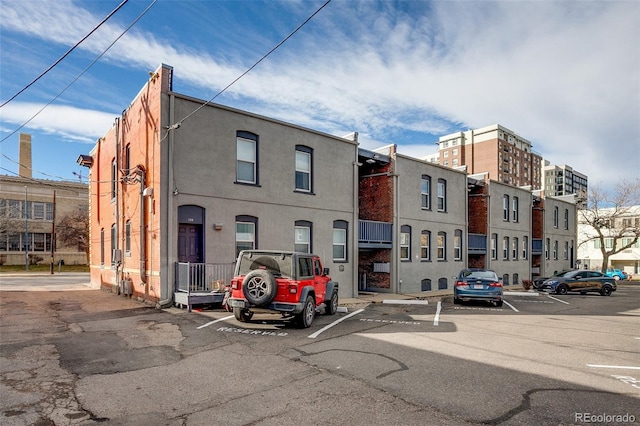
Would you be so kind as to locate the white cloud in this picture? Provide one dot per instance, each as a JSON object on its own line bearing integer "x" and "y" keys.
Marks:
{"x": 547, "y": 70}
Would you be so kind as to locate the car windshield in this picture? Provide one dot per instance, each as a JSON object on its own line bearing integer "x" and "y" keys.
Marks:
{"x": 279, "y": 264}
{"x": 487, "y": 275}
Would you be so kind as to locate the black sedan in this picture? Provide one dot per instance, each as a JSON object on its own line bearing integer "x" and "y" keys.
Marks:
{"x": 582, "y": 281}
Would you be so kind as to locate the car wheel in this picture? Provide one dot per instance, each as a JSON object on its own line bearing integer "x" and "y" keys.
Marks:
{"x": 332, "y": 307}
{"x": 605, "y": 291}
{"x": 456, "y": 301}
{"x": 499, "y": 303}
{"x": 259, "y": 287}
{"x": 305, "y": 318}
{"x": 242, "y": 315}
{"x": 562, "y": 289}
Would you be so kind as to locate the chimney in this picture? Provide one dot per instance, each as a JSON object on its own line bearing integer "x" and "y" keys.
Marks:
{"x": 25, "y": 155}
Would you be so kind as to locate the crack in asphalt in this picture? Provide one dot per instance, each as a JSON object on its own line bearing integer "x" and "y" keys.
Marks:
{"x": 402, "y": 365}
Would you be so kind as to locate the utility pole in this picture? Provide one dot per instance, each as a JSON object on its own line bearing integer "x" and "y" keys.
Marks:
{"x": 26, "y": 230}
{"x": 53, "y": 231}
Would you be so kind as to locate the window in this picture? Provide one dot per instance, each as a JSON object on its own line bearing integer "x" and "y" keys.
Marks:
{"x": 515, "y": 247}
{"x": 525, "y": 247}
{"x": 505, "y": 248}
{"x": 442, "y": 195}
{"x": 565, "y": 251}
{"x": 547, "y": 244}
{"x": 405, "y": 243}
{"x": 566, "y": 218}
{"x": 425, "y": 245}
{"x": 302, "y": 239}
{"x": 102, "y": 246}
{"x": 127, "y": 159}
{"x": 442, "y": 245}
{"x": 304, "y": 157}
{"x": 246, "y": 233}
{"x": 114, "y": 240}
{"x": 555, "y": 216}
{"x": 247, "y": 158}
{"x": 505, "y": 207}
{"x": 38, "y": 211}
{"x": 457, "y": 245}
{"x": 555, "y": 250}
{"x": 127, "y": 237}
{"x": 114, "y": 178}
{"x": 494, "y": 246}
{"x": 425, "y": 191}
{"x": 305, "y": 267}
{"x": 515, "y": 212}
{"x": 340, "y": 234}
{"x": 597, "y": 244}
{"x": 608, "y": 243}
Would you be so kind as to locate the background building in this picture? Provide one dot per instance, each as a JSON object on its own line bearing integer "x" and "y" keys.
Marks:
{"x": 563, "y": 180}
{"x": 28, "y": 209}
{"x": 501, "y": 153}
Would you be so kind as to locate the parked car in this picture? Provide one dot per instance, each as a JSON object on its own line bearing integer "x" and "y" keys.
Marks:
{"x": 616, "y": 274}
{"x": 293, "y": 284}
{"x": 477, "y": 284}
{"x": 580, "y": 280}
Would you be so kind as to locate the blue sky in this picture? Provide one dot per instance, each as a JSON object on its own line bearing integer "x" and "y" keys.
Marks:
{"x": 564, "y": 75}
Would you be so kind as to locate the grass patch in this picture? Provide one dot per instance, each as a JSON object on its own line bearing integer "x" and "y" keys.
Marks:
{"x": 44, "y": 268}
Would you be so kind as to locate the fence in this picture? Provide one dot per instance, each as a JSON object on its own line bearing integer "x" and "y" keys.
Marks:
{"x": 203, "y": 277}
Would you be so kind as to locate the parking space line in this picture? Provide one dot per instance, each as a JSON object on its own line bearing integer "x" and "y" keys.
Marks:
{"x": 325, "y": 328}
{"x": 521, "y": 293}
{"x": 406, "y": 302}
{"x": 510, "y": 305}
{"x": 557, "y": 300}
{"x": 436, "y": 319}
{"x": 213, "y": 322}
{"x": 621, "y": 367}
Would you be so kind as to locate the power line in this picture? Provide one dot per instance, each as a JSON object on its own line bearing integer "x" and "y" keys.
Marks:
{"x": 65, "y": 55}
{"x": 82, "y": 73}
{"x": 179, "y": 123}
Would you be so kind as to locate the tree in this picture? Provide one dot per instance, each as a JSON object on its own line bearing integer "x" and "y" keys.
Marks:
{"x": 612, "y": 219}
{"x": 73, "y": 230}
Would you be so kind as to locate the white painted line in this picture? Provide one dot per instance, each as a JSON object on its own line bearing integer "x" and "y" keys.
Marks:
{"x": 558, "y": 300}
{"x": 622, "y": 367}
{"x": 325, "y": 328}
{"x": 521, "y": 293}
{"x": 436, "y": 320}
{"x": 213, "y": 322}
{"x": 405, "y": 302}
{"x": 510, "y": 305}
{"x": 342, "y": 309}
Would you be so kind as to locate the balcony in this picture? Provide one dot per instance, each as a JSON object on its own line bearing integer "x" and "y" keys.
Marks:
{"x": 374, "y": 234}
{"x": 477, "y": 244}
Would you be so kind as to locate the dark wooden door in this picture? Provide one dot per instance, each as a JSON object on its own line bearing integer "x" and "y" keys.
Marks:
{"x": 189, "y": 243}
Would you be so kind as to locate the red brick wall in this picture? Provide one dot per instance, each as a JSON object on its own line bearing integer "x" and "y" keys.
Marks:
{"x": 478, "y": 210}
{"x": 376, "y": 193}
{"x": 366, "y": 260}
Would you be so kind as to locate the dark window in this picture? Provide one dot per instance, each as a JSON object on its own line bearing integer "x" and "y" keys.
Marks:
{"x": 246, "y": 233}
{"x": 246, "y": 158}
{"x": 304, "y": 169}
{"x": 405, "y": 243}
{"x": 425, "y": 192}
{"x": 303, "y": 236}
{"x": 442, "y": 195}
{"x": 340, "y": 240}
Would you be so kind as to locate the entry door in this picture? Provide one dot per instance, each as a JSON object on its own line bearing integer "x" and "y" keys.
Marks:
{"x": 189, "y": 243}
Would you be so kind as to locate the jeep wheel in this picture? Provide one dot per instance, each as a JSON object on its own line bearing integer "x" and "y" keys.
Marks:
{"x": 332, "y": 307}
{"x": 562, "y": 289}
{"x": 242, "y": 315}
{"x": 605, "y": 291}
{"x": 259, "y": 287}
{"x": 305, "y": 318}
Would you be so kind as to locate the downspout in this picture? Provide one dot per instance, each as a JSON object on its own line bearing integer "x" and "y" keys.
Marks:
{"x": 395, "y": 236}
{"x": 143, "y": 226}
{"x": 171, "y": 192}
{"x": 118, "y": 184}
{"x": 356, "y": 221}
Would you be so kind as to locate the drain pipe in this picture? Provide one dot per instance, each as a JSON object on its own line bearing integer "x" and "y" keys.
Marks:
{"x": 143, "y": 237}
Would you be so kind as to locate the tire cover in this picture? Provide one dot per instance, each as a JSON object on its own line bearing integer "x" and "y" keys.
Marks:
{"x": 259, "y": 287}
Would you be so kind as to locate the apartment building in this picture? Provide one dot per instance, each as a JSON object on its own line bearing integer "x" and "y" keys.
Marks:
{"x": 167, "y": 191}
{"x": 501, "y": 153}
{"x": 560, "y": 180}
{"x": 555, "y": 247}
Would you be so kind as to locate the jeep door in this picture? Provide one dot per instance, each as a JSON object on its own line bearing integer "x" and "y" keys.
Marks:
{"x": 320, "y": 281}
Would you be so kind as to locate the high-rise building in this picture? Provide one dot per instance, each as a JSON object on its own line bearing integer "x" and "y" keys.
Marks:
{"x": 506, "y": 156}
{"x": 563, "y": 180}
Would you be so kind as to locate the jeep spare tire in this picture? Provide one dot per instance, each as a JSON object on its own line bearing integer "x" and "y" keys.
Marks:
{"x": 259, "y": 287}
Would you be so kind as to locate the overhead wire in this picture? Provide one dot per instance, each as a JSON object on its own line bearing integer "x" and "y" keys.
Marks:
{"x": 65, "y": 54}
{"x": 179, "y": 122}
{"x": 135, "y": 21}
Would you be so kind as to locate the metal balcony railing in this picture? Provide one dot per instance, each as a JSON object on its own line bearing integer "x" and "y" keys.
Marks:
{"x": 374, "y": 234}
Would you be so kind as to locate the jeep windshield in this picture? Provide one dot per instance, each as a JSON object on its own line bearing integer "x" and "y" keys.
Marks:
{"x": 279, "y": 264}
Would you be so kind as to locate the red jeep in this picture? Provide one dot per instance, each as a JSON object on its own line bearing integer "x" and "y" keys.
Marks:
{"x": 294, "y": 284}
